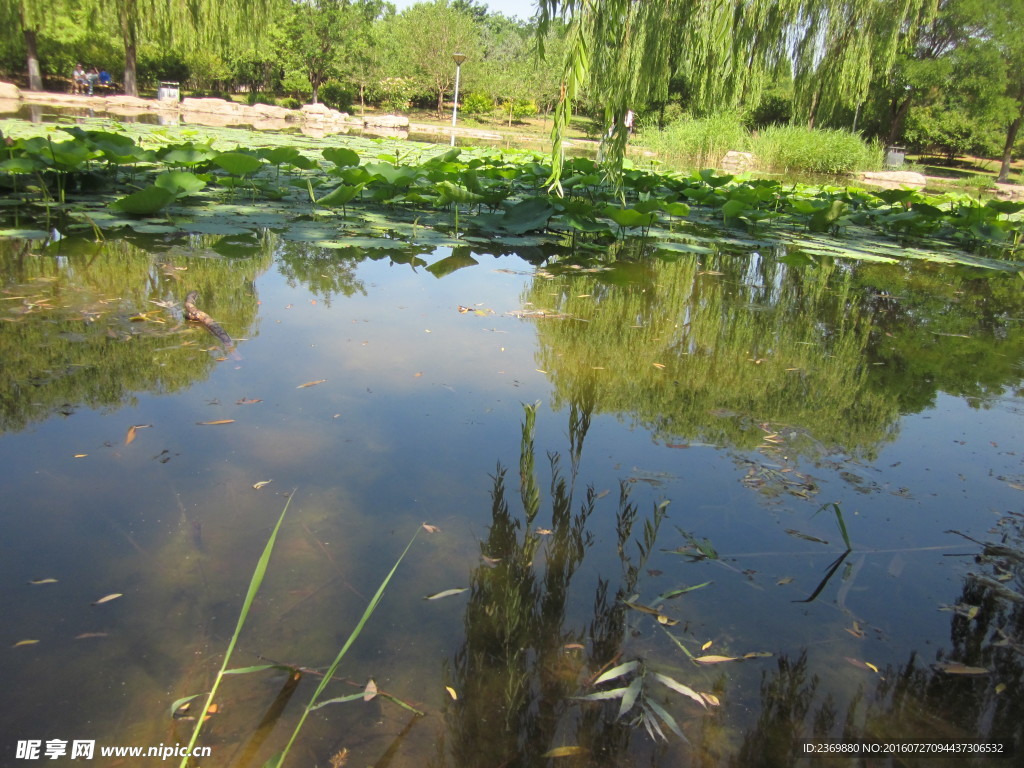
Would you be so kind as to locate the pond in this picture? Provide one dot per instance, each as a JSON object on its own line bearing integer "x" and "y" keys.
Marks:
{"x": 676, "y": 509}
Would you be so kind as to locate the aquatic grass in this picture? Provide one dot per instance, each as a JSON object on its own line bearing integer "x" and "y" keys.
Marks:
{"x": 697, "y": 143}
{"x": 789, "y": 148}
{"x": 254, "y": 586}
{"x": 314, "y": 702}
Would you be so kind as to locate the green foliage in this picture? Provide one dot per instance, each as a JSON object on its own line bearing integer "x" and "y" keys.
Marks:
{"x": 392, "y": 94}
{"x": 775, "y": 108}
{"x": 337, "y": 95}
{"x": 795, "y": 148}
{"x": 477, "y": 103}
{"x": 288, "y": 102}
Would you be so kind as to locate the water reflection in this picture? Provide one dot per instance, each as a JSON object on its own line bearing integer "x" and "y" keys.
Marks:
{"x": 94, "y": 324}
{"x": 762, "y": 370}
{"x": 728, "y": 349}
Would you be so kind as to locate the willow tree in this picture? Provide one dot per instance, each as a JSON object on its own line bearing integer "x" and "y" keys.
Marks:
{"x": 209, "y": 24}
{"x": 30, "y": 17}
{"x": 625, "y": 53}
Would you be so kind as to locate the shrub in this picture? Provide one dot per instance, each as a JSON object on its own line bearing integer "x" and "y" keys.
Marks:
{"x": 477, "y": 104}
{"x": 289, "y": 102}
{"x": 795, "y": 148}
{"x": 255, "y": 97}
{"x": 393, "y": 94}
{"x": 774, "y": 109}
{"x": 337, "y": 95}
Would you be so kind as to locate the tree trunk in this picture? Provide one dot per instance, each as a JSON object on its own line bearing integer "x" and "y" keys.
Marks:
{"x": 35, "y": 77}
{"x": 898, "y": 117}
{"x": 1011, "y": 139}
{"x": 131, "y": 87}
{"x": 316, "y": 92}
{"x": 440, "y": 103}
{"x": 812, "y": 113}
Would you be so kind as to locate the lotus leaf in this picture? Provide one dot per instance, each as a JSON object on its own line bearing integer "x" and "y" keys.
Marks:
{"x": 145, "y": 201}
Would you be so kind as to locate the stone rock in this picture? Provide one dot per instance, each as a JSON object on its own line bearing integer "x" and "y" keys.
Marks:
{"x": 737, "y": 161}
{"x": 9, "y": 91}
{"x": 893, "y": 179}
{"x": 386, "y": 121}
{"x": 212, "y": 106}
{"x": 272, "y": 111}
{"x": 318, "y": 110}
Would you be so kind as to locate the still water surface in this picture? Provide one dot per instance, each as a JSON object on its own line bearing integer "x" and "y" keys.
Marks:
{"x": 581, "y": 437}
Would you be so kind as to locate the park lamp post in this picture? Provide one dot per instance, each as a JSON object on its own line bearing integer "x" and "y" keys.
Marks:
{"x": 458, "y": 58}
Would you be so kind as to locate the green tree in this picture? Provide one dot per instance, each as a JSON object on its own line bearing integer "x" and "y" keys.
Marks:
{"x": 1008, "y": 35}
{"x": 423, "y": 39}
{"x": 322, "y": 33}
{"x": 30, "y": 17}
{"x": 627, "y": 53}
{"x": 208, "y": 24}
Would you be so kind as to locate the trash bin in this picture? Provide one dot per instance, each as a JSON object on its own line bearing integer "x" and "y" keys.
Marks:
{"x": 168, "y": 91}
{"x": 895, "y": 157}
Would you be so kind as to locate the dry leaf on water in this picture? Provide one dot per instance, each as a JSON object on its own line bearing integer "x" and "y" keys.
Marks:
{"x": 248, "y": 401}
{"x": 87, "y": 635}
{"x": 431, "y": 528}
{"x": 24, "y": 642}
{"x": 261, "y": 483}
{"x": 712, "y": 659}
{"x": 446, "y": 593}
{"x": 130, "y": 435}
{"x": 215, "y": 422}
{"x": 370, "y": 691}
{"x": 452, "y": 693}
{"x": 108, "y": 598}
{"x": 43, "y": 581}
{"x": 570, "y": 751}
{"x": 311, "y": 383}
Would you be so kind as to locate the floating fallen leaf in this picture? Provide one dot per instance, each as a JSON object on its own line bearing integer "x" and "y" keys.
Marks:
{"x": 311, "y": 383}
{"x": 862, "y": 664}
{"x": 248, "y": 401}
{"x": 710, "y": 698}
{"x": 663, "y": 619}
{"x": 871, "y": 666}
{"x": 81, "y": 455}
{"x": 574, "y": 647}
{"x": 213, "y": 709}
{"x": 130, "y": 435}
{"x": 446, "y": 593}
{"x": 452, "y": 693}
{"x": 370, "y": 691}
{"x": 757, "y": 655}
{"x": 707, "y": 645}
{"x": 678, "y": 687}
{"x": 24, "y": 642}
{"x": 1000, "y": 688}
{"x": 544, "y": 531}
{"x": 431, "y": 528}
{"x": 956, "y": 668}
{"x": 784, "y": 580}
{"x": 658, "y": 365}
{"x": 87, "y": 635}
{"x": 43, "y": 581}
{"x": 215, "y": 422}
{"x": 261, "y": 483}
{"x": 490, "y": 562}
{"x": 856, "y": 631}
{"x": 566, "y": 752}
{"x": 715, "y": 659}
{"x": 108, "y": 598}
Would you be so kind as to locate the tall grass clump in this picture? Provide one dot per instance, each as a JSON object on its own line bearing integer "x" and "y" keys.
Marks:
{"x": 696, "y": 143}
{"x": 788, "y": 148}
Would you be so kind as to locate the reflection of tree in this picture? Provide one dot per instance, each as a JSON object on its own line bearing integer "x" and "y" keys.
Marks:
{"x": 522, "y": 660}
{"x": 710, "y": 351}
{"x": 974, "y": 691}
{"x": 323, "y": 271}
{"x": 91, "y": 324}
